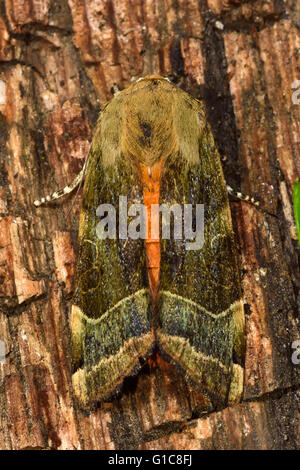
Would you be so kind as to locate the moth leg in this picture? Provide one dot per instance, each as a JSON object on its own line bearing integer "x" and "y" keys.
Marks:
{"x": 242, "y": 196}
{"x": 61, "y": 192}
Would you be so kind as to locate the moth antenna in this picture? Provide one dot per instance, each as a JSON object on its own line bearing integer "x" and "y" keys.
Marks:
{"x": 241, "y": 196}
{"x": 66, "y": 190}
{"x": 80, "y": 182}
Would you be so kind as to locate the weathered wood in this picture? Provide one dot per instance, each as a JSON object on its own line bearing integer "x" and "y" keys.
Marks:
{"x": 59, "y": 63}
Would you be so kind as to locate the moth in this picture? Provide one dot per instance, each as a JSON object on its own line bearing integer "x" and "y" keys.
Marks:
{"x": 153, "y": 145}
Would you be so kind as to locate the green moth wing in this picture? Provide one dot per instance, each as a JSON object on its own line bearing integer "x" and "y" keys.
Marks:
{"x": 201, "y": 311}
{"x": 110, "y": 327}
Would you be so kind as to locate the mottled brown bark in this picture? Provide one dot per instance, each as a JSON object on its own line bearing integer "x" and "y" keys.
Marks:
{"x": 59, "y": 62}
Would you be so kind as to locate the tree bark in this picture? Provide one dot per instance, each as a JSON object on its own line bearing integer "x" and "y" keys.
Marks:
{"x": 59, "y": 63}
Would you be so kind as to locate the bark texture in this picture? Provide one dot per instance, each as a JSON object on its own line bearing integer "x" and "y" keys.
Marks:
{"x": 59, "y": 63}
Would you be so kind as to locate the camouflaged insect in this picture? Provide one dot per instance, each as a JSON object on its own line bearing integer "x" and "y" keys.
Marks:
{"x": 132, "y": 297}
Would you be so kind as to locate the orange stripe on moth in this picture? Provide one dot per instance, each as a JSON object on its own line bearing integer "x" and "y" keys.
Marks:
{"x": 151, "y": 182}
{"x": 157, "y": 361}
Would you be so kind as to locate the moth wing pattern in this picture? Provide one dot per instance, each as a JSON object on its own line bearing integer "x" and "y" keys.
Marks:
{"x": 110, "y": 322}
{"x": 199, "y": 325}
{"x": 201, "y": 311}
